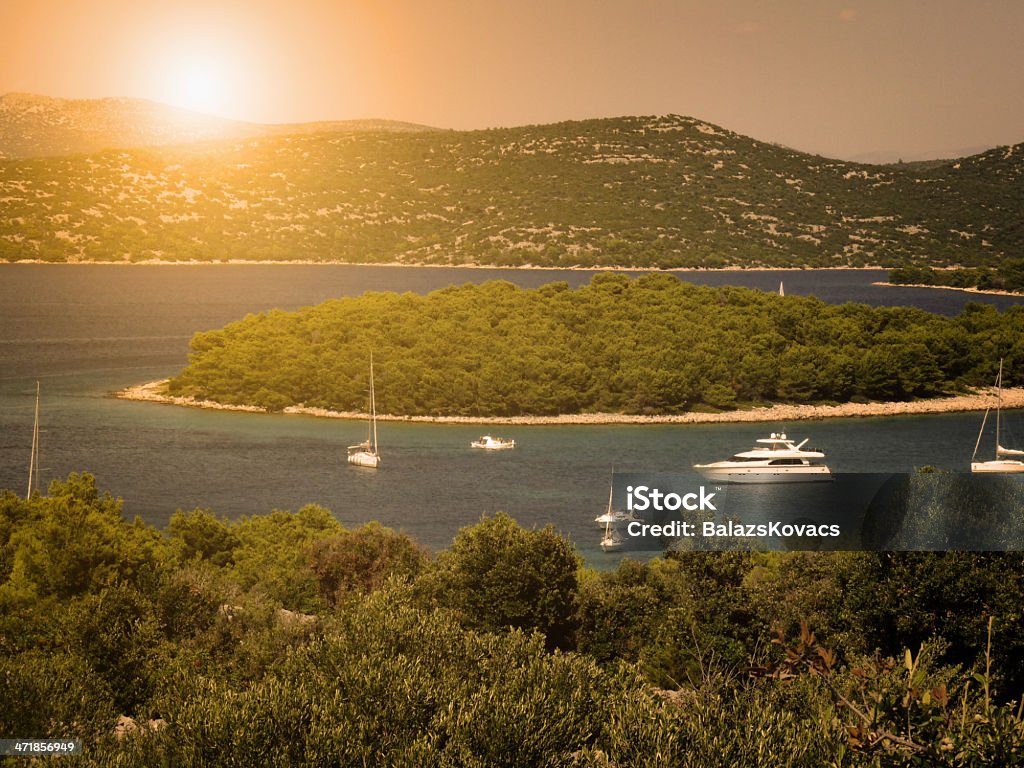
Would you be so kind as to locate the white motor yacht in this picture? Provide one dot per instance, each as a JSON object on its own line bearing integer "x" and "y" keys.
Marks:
{"x": 775, "y": 459}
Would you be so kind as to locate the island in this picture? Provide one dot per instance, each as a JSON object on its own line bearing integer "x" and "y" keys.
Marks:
{"x": 1005, "y": 277}
{"x": 650, "y": 348}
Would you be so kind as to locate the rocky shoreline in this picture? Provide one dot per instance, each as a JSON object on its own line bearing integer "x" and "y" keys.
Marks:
{"x": 1012, "y": 398}
{"x": 986, "y": 291}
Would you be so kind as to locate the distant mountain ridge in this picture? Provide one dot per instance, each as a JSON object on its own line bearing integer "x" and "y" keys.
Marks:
{"x": 43, "y": 126}
{"x": 666, "y": 191}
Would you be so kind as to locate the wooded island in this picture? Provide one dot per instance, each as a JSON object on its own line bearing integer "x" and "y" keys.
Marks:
{"x": 618, "y": 345}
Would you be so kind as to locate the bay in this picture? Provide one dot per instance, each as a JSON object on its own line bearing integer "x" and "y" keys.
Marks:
{"x": 86, "y": 331}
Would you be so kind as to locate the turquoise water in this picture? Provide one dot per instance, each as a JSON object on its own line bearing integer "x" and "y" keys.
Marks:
{"x": 85, "y": 331}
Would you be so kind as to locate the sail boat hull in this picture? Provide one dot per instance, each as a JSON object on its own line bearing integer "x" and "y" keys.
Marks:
{"x": 364, "y": 459}
{"x": 612, "y": 542}
{"x": 999, "y": 465}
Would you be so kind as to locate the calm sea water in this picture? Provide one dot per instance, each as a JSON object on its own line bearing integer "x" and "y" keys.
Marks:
{"x": 85, "y": 331}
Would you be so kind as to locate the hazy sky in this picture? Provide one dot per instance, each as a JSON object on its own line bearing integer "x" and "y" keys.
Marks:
{"x": 917, "y": 78}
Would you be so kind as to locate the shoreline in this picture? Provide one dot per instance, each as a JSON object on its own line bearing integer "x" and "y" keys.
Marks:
{"x": 308, "y": 263}
{"x": 1012, "y": 398}
{"x": 988, "y": 292}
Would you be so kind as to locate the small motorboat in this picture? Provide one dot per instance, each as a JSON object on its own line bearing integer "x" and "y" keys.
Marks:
{"x": 491, "y": 443}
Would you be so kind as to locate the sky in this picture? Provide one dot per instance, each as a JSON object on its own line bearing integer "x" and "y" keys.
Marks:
{"x": 853, "y": 79}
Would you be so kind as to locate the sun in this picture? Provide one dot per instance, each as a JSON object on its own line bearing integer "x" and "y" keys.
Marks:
{"x": 198, "y": 82}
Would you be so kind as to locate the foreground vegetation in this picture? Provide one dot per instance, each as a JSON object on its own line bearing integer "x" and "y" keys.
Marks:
{"x": 664, "y": 191}
{"x": 1005, "y": 276}
{"x": 285, "y": 639}
{"x": 650, "y": 345}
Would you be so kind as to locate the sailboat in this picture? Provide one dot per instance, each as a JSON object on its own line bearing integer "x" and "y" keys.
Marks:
{"x": 366, "y": 453}
{"x": 999, "y": 463}
{"x": 612, "y": 539}
{"x": 782, "y": 291}
{"x": 33, "y": 464}
{"x": 613, "y": 515}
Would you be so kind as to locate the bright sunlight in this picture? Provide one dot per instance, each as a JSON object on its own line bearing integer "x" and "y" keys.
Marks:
{"x": 198, "y": 82}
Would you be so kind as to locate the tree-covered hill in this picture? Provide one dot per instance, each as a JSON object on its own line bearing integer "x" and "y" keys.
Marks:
{"x": 633, "y": 191}
{"x": 649, "y": 345}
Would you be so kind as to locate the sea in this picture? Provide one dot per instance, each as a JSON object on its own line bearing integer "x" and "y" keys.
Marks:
{"x": 86, "y": 331}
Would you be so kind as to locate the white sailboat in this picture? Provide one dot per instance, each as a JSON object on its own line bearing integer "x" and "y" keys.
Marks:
{"x": 612, "y": 539}
{"x": 999, "y": 463}
{"x": 366, "y": 454}
{"x": 782, "y": 291}
{"x": 33, "y": 464}
{"x": 612, "y": 516}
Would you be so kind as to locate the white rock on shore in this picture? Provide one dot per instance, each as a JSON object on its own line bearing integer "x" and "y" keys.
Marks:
{"x": 1012, "y": 398}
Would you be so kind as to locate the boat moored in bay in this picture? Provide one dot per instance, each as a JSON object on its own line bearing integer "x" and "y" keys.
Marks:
{"x": 775, "y": 459}
{"x": 491, "y": 443}
{"x": 366, "y": 453}
{"x": 1001, "y": 463}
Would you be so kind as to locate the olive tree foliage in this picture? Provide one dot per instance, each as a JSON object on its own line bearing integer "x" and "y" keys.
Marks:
{"x": 362, "y": 560}
{"x": 390, "y": 683}
{"x": 201, "y": 535}
{"x": 498, "y": 575}
{"x": 73, "y": 541}
{"x": 274, "y": 549}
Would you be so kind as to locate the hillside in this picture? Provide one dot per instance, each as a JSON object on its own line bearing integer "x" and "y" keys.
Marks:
{"x": 636, "y": 191}
{"x": 41, "y": 126}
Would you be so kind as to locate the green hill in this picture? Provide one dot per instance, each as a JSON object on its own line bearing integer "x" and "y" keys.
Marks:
{"x": 635, "y": 191}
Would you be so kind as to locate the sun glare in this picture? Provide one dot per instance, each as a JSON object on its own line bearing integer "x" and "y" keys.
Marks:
{"x": 198, "y": 83}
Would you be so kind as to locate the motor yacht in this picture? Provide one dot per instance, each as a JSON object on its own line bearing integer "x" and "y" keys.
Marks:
{"x": 775, "y": 459}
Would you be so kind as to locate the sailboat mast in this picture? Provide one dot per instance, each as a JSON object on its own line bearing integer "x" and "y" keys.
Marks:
{"x": 33, "y": 464}
{"x": 999, "y": 403}
{"x": 981, "y": 431}
{"x": 373, "y": 405}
